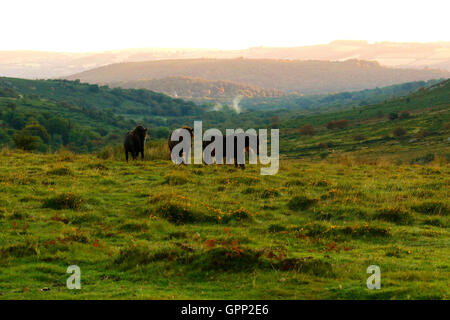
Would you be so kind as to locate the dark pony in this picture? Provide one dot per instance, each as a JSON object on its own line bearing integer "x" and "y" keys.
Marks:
{"x": 134, "y": 142}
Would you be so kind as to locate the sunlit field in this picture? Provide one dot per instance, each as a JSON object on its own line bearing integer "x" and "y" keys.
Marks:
{"x": 152, "y": 230}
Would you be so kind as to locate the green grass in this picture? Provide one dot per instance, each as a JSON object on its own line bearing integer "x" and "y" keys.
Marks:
{"x": 151, "y": 230}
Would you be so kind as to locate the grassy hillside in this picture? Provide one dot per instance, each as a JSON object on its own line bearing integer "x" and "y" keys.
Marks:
{"x": 150, "y": 230}
{"x": 85, "y": 118}
{"x": 116, "y": 100}
{"x": 82, "y": 117}
{"x": 375, "y": 131}
{"x": 305, "y": 77}
{"x": 359, "y": 192}
{"x": 335, "y": 101}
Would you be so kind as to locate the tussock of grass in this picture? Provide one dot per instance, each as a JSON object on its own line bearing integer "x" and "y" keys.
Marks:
{"x": 395, "y": 251}
{"x": 228, "y": 260}
{"x": 436, "y": 222}
{"x": 133, "y": 226}
{"x": 76, "y": 235}
{"x": 322, "y": 230}
{"x": 302, "y": 202}
{"x": 142, "y": 253}
{"x": 63, "y": 171}
{"x": 176, "y": 179}
{"x": 294, "y": 182}
{"x": 177, "y": 212}
{"x": 395, "y": 215}
{"x": 270, "y": 193}
{"x": 432, "y": 208}
{"x": 240, "y": 214}
{"x": 65, "y": 200}
{"x": 23, "y": 249}
{"x": 276, "y": 228}
{"x": 309, "y": 265}
{"x": 240, "y": 180}
{"x": 97, "y": 166}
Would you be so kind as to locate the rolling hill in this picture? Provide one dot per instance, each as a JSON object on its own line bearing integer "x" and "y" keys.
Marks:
{"x": 37, "y": 64}
{"x": 194, "y": 88}
{"x": 291, "y": 76}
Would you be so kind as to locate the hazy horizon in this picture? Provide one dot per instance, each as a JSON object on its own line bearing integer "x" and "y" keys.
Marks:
{"x": 219, "y": 49}
{"x": 86, "y": 26}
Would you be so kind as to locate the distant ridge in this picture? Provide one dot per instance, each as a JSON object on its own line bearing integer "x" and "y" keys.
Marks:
{"x": 39, "y": 64}
{"x": 290, "y": 76}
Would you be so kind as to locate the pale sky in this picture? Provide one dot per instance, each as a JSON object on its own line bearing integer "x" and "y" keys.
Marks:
{"x": 95, "y": 25}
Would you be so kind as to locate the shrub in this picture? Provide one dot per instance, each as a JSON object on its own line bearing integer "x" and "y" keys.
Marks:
{"x": 26, "y": 142}
{"x": 35, "y": 129}
{"x": 337, "y": 124}
{"x": 358, "y": 137}
{"x": 106, "y": 153}
{"x": 393, "y": 116}
{"x": 404, "y": 114}
{"x": 301, "y": 203}
{"x": 422, "y": 133}
{"x": 446, "y": 126}
{"x": 306, "y": 130}
{"x": 65, "y": 200}
{"x": 399, "y": 132}
{"x": 11, "y": 105}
